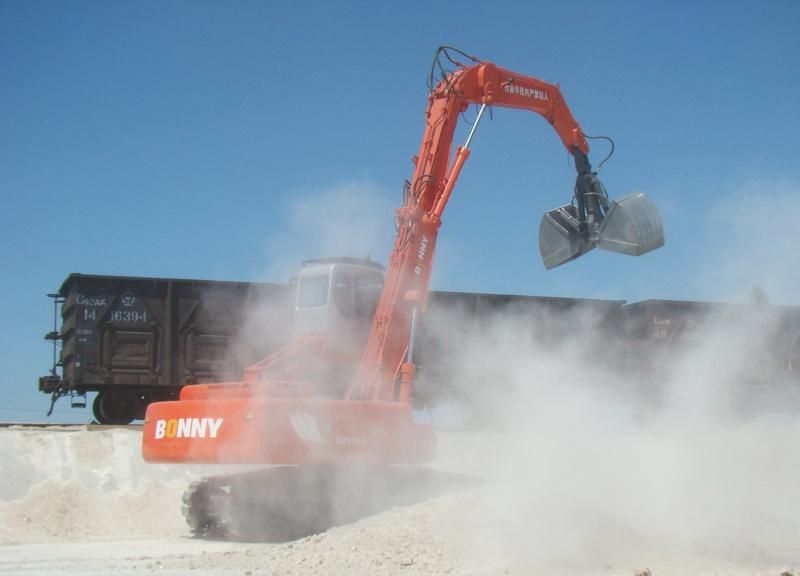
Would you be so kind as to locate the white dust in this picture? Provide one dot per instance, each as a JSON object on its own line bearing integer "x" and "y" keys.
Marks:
{"x": 596, "y": 470}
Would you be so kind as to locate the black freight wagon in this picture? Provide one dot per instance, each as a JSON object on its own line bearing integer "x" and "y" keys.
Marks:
{"x": 139, "y": 340}
{"x": 762, "y": 341}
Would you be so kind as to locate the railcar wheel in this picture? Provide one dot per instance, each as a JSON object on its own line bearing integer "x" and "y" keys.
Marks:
{"x": 115, "y": 407}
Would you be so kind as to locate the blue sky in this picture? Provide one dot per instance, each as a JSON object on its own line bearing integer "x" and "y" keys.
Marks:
{"x": 230, "y": 140}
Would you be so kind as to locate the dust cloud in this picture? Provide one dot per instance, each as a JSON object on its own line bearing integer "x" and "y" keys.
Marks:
{"x": 619, "y": 453}
{"x": 352, "y": 218}
{"x": 599, "y": 467}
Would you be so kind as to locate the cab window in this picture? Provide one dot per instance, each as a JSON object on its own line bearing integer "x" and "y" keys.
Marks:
{"x": 313, "y": 291}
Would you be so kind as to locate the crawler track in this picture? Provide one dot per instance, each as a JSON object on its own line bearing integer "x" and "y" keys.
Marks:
{"x": 274, "y": 504}
{"x": 282, "y": 503}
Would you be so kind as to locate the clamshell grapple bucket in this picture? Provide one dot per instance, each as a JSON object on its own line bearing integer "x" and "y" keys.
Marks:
{"x": 630, "y": 225}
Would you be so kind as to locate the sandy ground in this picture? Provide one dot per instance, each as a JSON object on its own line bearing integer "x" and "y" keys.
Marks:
{"x": 74, "y": 501}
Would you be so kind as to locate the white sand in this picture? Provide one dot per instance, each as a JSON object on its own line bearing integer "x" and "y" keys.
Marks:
{"x": 81, "y": 502}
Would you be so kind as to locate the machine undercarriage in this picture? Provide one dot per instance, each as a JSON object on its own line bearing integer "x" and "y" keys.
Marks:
{"x": 282, "y": 503}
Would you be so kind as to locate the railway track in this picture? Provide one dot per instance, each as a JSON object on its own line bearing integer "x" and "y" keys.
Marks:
{"x": 68, "y": 427}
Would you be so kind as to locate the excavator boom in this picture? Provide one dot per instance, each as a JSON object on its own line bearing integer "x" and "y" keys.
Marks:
{"x": 631, "y": 226}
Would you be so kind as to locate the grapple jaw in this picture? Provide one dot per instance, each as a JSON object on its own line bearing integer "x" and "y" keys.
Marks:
{"x": 630, "y": 225}
{"x": 561, "y": 238}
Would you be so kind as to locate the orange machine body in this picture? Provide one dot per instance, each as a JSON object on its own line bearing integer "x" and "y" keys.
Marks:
{"x": 285, "y": 431}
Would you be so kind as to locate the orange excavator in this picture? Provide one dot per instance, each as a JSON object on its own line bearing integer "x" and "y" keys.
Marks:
{"x": 328, "y": 399}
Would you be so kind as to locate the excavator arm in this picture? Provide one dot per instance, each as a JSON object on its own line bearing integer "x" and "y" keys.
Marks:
{"x": 488, "y": 84}
{"x": 387, "y": 367}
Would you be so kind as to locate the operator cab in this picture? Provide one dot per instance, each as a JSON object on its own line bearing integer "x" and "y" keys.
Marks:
{"x": 338, "y": 297}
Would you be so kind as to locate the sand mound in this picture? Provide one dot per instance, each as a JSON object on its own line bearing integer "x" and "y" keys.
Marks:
{"x": 79, "y": 485}
{"x": 68, "y": 510}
